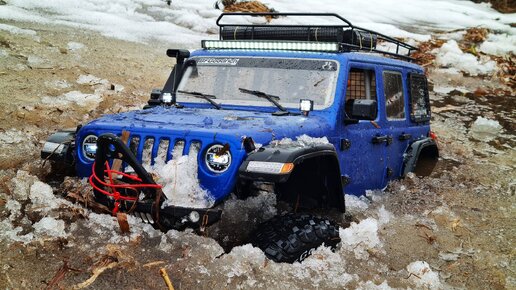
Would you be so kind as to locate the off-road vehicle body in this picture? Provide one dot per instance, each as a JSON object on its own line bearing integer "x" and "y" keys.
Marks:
{"x": 238, "y": 99}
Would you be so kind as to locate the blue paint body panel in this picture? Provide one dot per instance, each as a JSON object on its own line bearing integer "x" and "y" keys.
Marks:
{"x": 364, "y": 163}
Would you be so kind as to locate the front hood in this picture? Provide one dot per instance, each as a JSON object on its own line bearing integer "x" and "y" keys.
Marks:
{"x": 262, "y": 127}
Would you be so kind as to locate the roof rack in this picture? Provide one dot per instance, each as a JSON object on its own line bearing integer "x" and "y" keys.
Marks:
{"x": 348, "y": 36}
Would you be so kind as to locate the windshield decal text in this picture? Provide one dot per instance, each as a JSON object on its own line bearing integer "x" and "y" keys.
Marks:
{"x": 218, "y": 61}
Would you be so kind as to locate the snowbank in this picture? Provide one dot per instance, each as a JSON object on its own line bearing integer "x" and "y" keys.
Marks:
{"x": 187, "y": 22}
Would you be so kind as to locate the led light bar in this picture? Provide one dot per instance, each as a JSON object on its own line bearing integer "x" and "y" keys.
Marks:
{"x": 271, "y": 45}
{"x": 269, "y": 167}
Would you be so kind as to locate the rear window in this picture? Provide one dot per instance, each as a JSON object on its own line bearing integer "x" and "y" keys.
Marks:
{"x": 419, "y": 99}
{"x": 394, "y": 98}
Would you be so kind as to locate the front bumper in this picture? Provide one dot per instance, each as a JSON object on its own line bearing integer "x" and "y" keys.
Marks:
{"x": 142, "y": 201}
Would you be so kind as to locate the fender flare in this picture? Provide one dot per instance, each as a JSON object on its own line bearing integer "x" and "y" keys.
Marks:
{"x": 297, "y": 155}
{"x": 413, "y": 153}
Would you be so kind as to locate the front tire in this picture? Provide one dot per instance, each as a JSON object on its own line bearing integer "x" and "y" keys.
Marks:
{"x": 293, "y": 237}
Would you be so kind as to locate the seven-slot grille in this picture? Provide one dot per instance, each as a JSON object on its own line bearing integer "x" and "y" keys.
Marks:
{"x": 149, "y": 148}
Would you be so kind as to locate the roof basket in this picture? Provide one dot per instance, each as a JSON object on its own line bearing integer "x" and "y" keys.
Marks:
{"x": 348, "y": 36}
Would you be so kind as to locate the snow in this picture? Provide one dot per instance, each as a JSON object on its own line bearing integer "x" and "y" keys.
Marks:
{"x": 17, "y": 31}
{"x": 74, "y": 46}
{"x": 74, "y": 97}
{"x": 359, "y": 238}
{"x": 301, "y": 141}
{"x": 20, "y": 185}
{"x": 499, "y": 44}
{"x": 14, "y": 208}
{"x": 180, "y": 182}
{"x": 187, "y": 22}
{"x": 10, "y": 233}
{"x": 450, "y": 55}
{"x": 90, "y": 80}
{"x": 485, "y": 129}
{"x": 43, "y": 198}
{"x": 425, "y": 277}
{"x": 356, "y": 204}
{"x": 50, "y": 227}
{"x": 12, "y": 136}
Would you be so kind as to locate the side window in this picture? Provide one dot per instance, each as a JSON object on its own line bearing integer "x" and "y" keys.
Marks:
{"x": 361, "y": 86}
{"x": 419, "y": 99}
{"x": 394, "y": 98}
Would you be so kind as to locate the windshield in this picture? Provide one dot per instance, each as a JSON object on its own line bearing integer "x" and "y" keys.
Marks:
{"x": 289, "y": 79}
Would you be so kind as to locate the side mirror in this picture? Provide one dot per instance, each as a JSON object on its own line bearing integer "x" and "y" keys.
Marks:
{"x": 361, "y": 109}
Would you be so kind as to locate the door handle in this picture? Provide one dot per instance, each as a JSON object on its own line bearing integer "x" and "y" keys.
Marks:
{"x": 380, "y": 139}
{"x": 404, "y": 136}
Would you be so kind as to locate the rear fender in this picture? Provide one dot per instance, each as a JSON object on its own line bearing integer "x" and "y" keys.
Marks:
{"x": 421, "y": 157}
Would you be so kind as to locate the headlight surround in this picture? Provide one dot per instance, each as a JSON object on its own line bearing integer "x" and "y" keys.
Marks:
{"x": 215, "y": 162}
{"x": 89, "y": 147}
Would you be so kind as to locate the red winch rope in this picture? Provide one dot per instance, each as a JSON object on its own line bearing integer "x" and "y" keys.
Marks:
{"x": 117, "y": 196}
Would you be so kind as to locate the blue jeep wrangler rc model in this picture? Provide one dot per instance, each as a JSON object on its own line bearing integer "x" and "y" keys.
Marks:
{"x": 313, "y": 111}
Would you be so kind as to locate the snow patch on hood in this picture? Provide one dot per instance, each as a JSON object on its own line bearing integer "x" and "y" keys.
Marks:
{"x": 301, "y": 141}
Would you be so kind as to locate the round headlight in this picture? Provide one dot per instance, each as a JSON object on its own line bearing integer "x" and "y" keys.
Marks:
{"x": 89, "y": 147}
{"x": 217, "y": 158}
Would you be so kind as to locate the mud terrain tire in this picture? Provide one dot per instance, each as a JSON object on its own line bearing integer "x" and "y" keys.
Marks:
{"x": 293, "y": 237}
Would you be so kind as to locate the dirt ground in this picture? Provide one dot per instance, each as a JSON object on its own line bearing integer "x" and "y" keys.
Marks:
{"x": 460, "y": 220}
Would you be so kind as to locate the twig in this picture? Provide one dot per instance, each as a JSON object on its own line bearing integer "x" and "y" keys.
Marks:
{"x": 60, "y": 274}
{"x": 164, "y": 274}
{"x": 155, "y": 263}
{"x": 96, "y": 274}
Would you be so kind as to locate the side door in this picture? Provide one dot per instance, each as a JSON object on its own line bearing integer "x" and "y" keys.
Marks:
{"x": 397, "y": 123}
{"x": 362, "y": 160}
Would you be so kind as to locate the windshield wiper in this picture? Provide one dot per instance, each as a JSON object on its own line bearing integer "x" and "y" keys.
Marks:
{"x": 271, "y": 98}
{"x": 206, "y": 97}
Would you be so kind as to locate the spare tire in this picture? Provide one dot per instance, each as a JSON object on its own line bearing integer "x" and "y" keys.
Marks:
{"x": 293, "y": 237}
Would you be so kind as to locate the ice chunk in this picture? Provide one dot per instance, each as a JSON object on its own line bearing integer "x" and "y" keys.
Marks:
{"x": 43, "y": 198}
{"x": 359, "y": 238}
{"x": 50, "y": 227}
{"x": 90, "y": 80}
{"x": 74, "y": 46}
{"x": 384, "y": 216}
{"x": 484, "y": 129}
{"x": 180, "y": 182}
{"x": 355, "y": 204}
{"x": 14, "y": 208}
{"x": 20, "y": 185}
{"x": 450, "y": 55}
{"x": 9, "y": 233}
{"x": 423, "y": 276}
